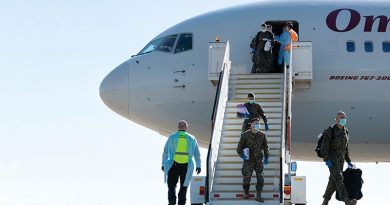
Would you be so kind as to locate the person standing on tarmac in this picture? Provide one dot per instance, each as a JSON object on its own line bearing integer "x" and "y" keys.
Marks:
{"x": 335, "y": 151}
{"x": 256, "y": 142}
{"x": 177, "y": 162}
{"x": 255, "y": 111}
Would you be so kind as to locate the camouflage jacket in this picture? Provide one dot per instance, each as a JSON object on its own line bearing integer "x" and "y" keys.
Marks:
{"x": 255, "y": 111}
{"x": 335, "y": 144}
{"x": 256, "y": 142}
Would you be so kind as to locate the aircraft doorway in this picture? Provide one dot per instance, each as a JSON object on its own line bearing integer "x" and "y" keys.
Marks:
{"x": 277, "y": 29}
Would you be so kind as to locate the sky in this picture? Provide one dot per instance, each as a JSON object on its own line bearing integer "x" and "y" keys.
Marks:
{"x": 59, "y": 144}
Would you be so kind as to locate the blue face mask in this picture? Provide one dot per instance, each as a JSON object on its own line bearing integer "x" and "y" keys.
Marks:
{"x": 251, "y": 101}
{"x": 343, "y": 122}
{"x": 257, "y": 127}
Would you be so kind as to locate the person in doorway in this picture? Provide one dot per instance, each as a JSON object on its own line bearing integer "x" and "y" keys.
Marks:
{"x": 284, "y": 51}
{"x": 261, "y": 44}
{"x": 255, "y": 143}
{"x": 255, "y": 111}
{"x": 335, "y": 151}
{"x": 177, "y": 162}
{"x": 269, "y": 54}
{"x": 293, "y": 35}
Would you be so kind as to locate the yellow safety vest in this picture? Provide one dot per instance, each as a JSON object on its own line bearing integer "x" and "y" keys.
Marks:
{"x": 181, "y": 155}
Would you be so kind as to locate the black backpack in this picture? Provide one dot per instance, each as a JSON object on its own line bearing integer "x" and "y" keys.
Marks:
{"x": 353, "y": 183}
{"x": 319, "y": 143}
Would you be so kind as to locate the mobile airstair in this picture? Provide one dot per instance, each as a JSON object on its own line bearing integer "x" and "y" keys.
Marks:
{"x": 273, "y": 92}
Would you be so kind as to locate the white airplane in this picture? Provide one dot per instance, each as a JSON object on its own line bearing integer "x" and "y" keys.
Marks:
{"x": 168, "y": 79}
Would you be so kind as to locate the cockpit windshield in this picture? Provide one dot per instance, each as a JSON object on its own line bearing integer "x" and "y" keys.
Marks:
{"x": 182, "y": 42}
{"x": 151, "y": 46}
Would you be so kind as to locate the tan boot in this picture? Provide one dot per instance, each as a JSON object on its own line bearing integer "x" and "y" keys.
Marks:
{"x": 258, "y": 197}
{"x": 325, "y": 202}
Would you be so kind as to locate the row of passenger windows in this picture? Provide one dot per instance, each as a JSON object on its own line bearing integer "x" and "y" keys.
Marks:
{"x": 176, "y": 43}
{"x": 368, "y": 46}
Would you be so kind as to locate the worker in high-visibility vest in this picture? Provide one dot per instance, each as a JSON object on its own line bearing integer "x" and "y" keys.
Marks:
{"x": 177, "y": 162}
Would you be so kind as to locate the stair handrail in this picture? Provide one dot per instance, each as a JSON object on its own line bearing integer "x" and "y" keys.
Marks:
{"x": 285, "y": 144}
{"x": 217, "y": 118}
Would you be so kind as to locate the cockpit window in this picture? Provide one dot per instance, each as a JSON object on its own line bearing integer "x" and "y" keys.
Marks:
{"x": 184, "y": 43}
{"x": 167, "y": 44}
{"x": 151, "y": 46}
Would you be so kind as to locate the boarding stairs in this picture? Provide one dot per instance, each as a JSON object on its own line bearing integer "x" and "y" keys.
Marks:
{"x": 227, "y": 184}
{"x": 224, "y": 177}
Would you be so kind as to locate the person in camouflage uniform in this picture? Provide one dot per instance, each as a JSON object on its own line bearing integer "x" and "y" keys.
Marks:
{"x": 255, "y": 111}
{"x": 335, "y": 150}
{"x": 256, "y": 142}
{"x": 261, "y": 60}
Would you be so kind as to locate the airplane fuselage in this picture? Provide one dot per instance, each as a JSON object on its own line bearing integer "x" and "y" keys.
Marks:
{"x": 160, "y": 93}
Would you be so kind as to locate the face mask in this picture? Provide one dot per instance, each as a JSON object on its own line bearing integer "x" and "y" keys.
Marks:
{"x": 263, "y": 30}
{"x": 342, "y": 122}
{"x": 257, "y": 127}
{"x": 251, "y": 101}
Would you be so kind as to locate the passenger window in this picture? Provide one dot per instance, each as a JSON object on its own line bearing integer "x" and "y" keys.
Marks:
{"x": 368, "y": 46}
{"x": 184, "y": 43}
{"x": 350, "y": 46}
{"x": 386, "y": 46}
{"x": 167, "y": 44}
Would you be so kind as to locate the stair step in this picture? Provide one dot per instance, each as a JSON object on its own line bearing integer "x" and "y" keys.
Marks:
{"x": 264, "y": 100}
{"x": 257, "y": 91}
{"x": 269, "y": 115}
{"x": 238, "y": 180}
{"x": 256, "y": 81}
{"x": 250, "y": 88}
{"x": 263, "y": 104}
{"x": 257, "y": 76}
{"x": 233, "y": 146}
{"x": 239, "y": 121}
{"x": 237, "y": 139}
{"x": 268, "y": 173}
{"x": 237, "y": 133}
{"x": 266, "y": 110}
{"x": 258, "y": 96}
{"x": 238, "y": 165}
{"x": 236, "y": 201}
{"x": 273, "y": 152}
{"x": 238, "y": 188}
{"x": 239, "y": 127}
{"x": 228, "y": 195}
{"x": 230, "y": 159}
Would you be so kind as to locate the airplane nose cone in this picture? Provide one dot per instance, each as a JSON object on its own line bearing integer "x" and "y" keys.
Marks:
{"x": 114, "y": 90}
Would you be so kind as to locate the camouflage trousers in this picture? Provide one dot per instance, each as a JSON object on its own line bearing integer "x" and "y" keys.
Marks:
{"x": 247, "y": 170}
{"x": 336, "y": 183}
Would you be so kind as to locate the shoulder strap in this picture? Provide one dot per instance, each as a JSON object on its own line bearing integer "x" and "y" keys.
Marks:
{"x": 332, "y": 131}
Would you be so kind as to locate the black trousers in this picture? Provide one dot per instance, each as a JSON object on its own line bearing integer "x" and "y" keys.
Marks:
{"x": 177, "y": 171}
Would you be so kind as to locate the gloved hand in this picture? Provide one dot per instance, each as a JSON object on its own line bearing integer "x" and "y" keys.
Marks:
{"x": 265, "y": 161}
{"x": 329, "y": 163}
{"x": 244, "y": 157}
{"x": 198, "y": 170}
{"x": 350, "y": 165}
{"x": 266, "y": 127}
{"x": 162, "y": 168}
